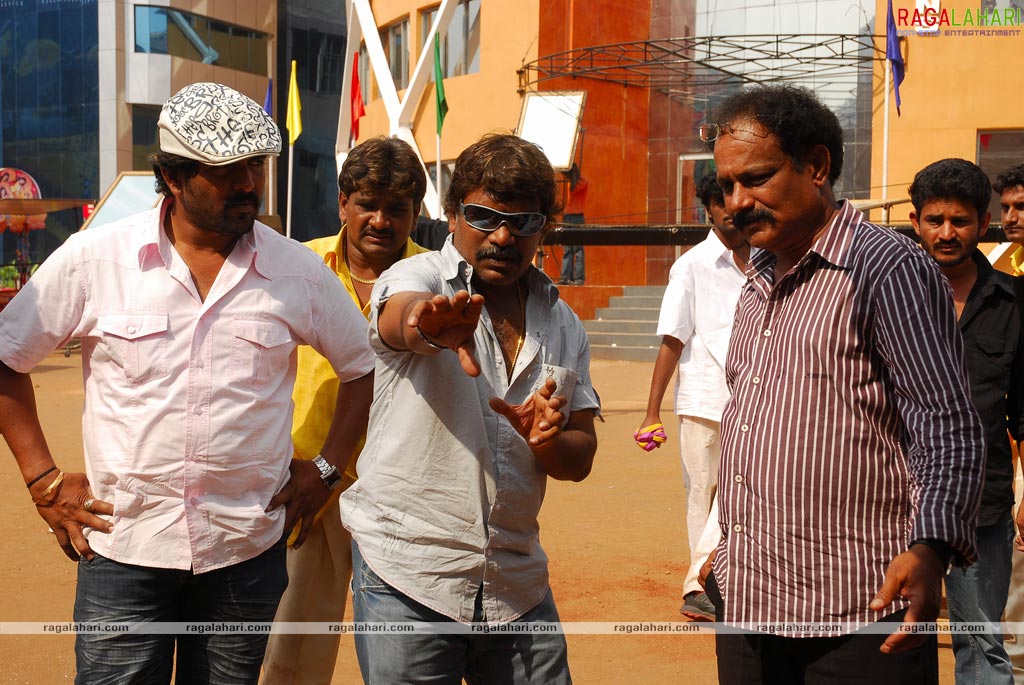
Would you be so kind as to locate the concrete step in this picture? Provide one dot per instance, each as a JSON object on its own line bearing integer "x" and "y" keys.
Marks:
{"x": 635, "y": 302}
{"x": 630, "y": 354}
{"x": 644, "y": 291}
{"x": 650, "y": 327}
{"x": 623, "y": 314}
{"x": 620, "y": 339}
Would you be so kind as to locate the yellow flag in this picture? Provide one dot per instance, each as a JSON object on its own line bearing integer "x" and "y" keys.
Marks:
{"x": 294, "y": 121}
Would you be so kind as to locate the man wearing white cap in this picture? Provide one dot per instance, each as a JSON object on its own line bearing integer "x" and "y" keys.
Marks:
{"x": 189, "y": 316}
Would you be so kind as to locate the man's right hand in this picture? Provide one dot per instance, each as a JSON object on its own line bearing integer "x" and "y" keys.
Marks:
{"x": 64, "y": 511}
{"x": 705, "y": 569}
{"x": 450, "y": 322}
{"x": 651, "y": 434}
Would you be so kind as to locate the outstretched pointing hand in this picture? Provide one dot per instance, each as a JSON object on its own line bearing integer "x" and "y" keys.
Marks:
{"x": 450, "y": 322}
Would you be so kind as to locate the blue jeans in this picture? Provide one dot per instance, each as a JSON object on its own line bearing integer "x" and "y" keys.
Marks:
{"x": 395, "y": 659}
{"x": 109, "y": 591}
{"x": 573, "y": 263}
{"x": 977, "y": 594}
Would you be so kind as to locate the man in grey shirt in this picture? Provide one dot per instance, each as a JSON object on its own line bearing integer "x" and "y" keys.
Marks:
{"x": 482, "y": 392}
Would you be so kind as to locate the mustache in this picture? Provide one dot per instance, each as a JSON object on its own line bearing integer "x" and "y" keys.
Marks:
{"x": 243, "y": 199}
{"x": 947, "y": 243}
{"x": 745, "y": 217}
{"x": 510, "y": 252}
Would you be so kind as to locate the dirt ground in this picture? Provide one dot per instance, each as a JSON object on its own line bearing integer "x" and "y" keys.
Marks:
{"x": 617, "y": 544}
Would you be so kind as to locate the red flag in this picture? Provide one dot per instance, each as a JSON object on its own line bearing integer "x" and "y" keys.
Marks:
{"x": 358, "y": 109}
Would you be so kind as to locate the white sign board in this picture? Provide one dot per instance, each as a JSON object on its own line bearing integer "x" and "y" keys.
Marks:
{"x": 551, "y": 120}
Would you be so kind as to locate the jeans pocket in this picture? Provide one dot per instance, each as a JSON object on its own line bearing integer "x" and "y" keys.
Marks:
{"x": 370, "y": 581}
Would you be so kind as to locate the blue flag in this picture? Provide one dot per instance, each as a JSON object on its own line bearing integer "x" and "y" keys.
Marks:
{"x": 268, "y": 102}
{"x": 893, "y": 54}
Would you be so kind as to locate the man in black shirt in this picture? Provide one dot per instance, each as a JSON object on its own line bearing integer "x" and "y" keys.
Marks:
{"x": 950, "y": 199}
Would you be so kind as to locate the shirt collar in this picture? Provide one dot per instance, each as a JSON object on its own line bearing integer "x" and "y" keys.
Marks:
{"x": 833, "y": 245}
{"x": 986, "y": 283}
{"x": 335, "y": 258}
{"x": 151, "y": 243}
{"x": 454, "y": 267}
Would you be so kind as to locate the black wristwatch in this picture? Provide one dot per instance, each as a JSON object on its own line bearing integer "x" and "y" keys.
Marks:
{"x": 328, "y": 473}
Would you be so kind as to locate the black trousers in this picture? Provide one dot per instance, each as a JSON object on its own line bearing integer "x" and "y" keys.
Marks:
{"x": 753, "y": 658}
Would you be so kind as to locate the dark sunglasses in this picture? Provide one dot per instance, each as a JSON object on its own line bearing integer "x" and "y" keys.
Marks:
{"x": 487, "y": 220}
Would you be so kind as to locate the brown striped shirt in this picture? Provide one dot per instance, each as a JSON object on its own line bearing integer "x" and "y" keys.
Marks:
{"x": 849, "y": 433}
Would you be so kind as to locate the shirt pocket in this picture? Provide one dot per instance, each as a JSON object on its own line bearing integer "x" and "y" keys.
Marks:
{"x": 137, "y": 343}
{"x": 260, "y": 351}
{"x": 993, "y": 360}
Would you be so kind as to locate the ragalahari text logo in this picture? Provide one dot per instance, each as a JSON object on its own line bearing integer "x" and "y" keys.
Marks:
{"x": 953, "y": 21}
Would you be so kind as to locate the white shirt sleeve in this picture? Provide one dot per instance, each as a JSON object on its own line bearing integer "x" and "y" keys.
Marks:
{"x": 46, "y": 313}
{"x": 677, "y": 306}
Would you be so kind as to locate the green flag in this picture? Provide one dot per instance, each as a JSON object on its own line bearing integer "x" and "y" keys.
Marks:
{"x": 442, "y": 103}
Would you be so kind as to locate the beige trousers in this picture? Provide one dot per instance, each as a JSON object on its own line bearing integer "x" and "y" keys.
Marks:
{"x": 319, "y": 574}
{"x": 700, "y": 445}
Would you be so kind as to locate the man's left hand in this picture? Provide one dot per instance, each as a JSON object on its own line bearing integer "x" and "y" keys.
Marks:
{"x": 303, "y": 496}
{"x": 538, "y": 419}
{"x": 915, "y": 575}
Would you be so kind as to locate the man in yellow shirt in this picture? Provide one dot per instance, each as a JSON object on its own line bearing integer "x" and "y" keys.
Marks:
{"x": 381, "y": 188}
{"x": 1010, "y": 186}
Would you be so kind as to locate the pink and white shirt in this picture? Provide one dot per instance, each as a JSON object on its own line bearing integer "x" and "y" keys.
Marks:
{"x": 187, "y": 419}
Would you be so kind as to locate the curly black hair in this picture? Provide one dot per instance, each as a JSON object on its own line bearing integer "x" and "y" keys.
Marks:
{"x": 384, "y": 165}
{"x": 1011, "y": 178}
{"x": 181, "y": 167}
{"x": 794, "y": 116}
{"x": 708, "y": 190}
{"x": 508, "y": 169}
{"x": 951, "y": 179}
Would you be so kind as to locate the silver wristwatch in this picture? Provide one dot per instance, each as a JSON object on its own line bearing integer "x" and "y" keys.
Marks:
{"x": 328, "y": 473}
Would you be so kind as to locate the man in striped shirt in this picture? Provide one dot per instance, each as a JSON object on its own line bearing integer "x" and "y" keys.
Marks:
{"x": 851, "y": 454}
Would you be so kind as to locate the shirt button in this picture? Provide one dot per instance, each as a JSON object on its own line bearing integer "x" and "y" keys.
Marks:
{"x": 738, "y": 528}
{"x": 489, "y": 553}
{"x": 738, "y": 478}
{"x": 199, "y": 411}
{"x": 199, "y": 364}
{"x": 131, "y": 329}
{"x": 755, "y": 380}
{"x": 193, "y": 501}
{"x": 767, "y": 333}
{"x": 498, "y": 507}
{"x": 744, "y": 428}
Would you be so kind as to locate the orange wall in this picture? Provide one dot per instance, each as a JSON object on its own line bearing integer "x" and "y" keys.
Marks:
{"x": 615, "y": 120}
{"x": 955, "y": 85}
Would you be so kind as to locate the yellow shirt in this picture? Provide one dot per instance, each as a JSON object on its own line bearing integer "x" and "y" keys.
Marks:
{"x": 316, "y": 385}
{"x": 1017, "y": 261}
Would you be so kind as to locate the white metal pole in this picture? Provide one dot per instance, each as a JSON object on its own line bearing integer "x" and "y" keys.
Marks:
{"x": 440, "y": 195}
{"x": 291, "y": 169}
{"x": 271, "y": 160}
{"x": 885, "y": 144}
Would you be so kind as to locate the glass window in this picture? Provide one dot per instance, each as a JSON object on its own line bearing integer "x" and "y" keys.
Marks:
{"x": 144, "y": 135}
{"x": 365, "y": 74}
{"x": 460, "y": 45}
{"x": 396, "y": 49}
{"x": 997, "y": 152}
{"x": 183, "y": 34}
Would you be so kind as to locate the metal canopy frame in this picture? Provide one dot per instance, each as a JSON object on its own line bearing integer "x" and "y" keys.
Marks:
{"x": 674, "y": 64}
